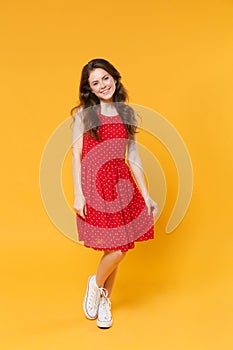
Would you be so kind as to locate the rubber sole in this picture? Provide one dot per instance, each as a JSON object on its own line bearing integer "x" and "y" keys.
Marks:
{"x": 84, "y": 303}
{"x": 104, "y": 325}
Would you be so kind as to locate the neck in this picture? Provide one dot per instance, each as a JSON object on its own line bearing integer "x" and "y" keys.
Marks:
{"x": 108, "y": 108}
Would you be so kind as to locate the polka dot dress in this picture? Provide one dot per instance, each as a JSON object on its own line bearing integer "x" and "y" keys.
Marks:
{"x": 116, "y": 212}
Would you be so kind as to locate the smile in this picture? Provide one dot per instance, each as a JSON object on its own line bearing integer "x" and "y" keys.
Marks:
{"x": 105, "y": 91}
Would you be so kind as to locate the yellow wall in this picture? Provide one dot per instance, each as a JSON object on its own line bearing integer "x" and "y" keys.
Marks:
{"x": 176, "y": 58}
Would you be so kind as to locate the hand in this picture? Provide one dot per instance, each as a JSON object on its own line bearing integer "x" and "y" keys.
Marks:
{"x": 80, "y": 206}
{"x": 152, "y": 206}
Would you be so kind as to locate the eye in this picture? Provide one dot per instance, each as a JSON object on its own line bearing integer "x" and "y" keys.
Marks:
{"x": 106, "y": 78}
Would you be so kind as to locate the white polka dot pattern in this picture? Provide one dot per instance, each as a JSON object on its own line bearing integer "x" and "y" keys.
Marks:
{"x": 116, "y": 212}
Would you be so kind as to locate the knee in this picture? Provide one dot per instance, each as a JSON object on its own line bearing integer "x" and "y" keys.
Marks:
{"x": 118, "y": 256}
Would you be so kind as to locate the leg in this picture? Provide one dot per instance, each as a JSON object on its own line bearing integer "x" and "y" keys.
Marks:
{"x": 93, "y": 302}
{"x": 110, "y": 281}
{"x": 107, "y": 269}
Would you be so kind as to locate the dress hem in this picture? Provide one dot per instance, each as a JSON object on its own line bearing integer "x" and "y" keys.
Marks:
{"x": 122, "y": 248}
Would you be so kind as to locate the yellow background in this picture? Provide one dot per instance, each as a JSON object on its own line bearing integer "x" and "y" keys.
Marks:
{"x": 176, "y": 58}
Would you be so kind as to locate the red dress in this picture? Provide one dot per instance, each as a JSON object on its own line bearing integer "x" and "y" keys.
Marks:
{"x": 116, "y": 212}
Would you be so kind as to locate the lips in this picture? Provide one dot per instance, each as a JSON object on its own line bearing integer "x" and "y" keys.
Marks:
{"x": 105, "y": 91}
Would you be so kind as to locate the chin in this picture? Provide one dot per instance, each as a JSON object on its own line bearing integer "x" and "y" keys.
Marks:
{"x": 107, "y": 99}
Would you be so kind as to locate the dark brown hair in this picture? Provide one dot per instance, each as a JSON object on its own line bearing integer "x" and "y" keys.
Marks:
{"x": 90, "y": 103}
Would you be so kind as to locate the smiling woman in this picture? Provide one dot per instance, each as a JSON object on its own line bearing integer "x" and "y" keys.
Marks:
{"x": 102, "y": 84}
{"x": 112, "y": 203}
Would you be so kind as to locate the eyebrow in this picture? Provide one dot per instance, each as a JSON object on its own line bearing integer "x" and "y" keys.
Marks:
{"x": 96, "y": 81}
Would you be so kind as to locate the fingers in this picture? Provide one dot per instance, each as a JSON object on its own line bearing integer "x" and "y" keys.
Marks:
{"x": 85, "y": 210}
{"x": 149, "y": 209}
{"x": 152, "y": 208}
{"x": 155, "y": 210}
{"x": 82, "y": 212}
{"x": 148, "y": 204}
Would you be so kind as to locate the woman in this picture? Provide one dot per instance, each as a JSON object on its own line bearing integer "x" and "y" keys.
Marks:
{"x": 112, "y": 204}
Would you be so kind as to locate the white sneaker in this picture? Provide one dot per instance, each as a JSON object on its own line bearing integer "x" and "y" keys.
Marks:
{"x": 92, "y": 298}
{"x": 104, "y": 312}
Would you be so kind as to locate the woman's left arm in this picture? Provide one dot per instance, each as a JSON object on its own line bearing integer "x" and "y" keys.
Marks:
{"x": 135, "y": 164}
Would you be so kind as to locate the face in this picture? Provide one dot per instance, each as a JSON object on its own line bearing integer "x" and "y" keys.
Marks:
{"x": 102, "y": 84}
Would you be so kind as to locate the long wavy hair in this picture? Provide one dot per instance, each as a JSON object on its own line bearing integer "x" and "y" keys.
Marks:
{"x": 90, "y": 103}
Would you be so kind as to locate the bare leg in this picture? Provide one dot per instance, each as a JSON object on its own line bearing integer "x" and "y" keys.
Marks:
{"x": 107, "y": 269}
{"x": 110, "y": 281}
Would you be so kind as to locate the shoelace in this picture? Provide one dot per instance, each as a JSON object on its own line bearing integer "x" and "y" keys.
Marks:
{"x": 103, "y": 292}
{"x": 105, "y": 308}
{"x": 94, "y": 297}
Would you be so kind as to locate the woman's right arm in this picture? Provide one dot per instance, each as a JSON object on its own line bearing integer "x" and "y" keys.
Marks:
{"x": 77, "y": 144}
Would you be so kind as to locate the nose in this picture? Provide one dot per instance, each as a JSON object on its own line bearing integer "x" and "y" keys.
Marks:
{"x": 102, "y": 84}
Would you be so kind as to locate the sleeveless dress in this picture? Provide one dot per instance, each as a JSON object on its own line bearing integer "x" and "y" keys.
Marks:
{"x": 116, "y": 212}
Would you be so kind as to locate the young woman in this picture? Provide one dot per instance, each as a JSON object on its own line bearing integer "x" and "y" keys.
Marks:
{"x": 112, "y": 203}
